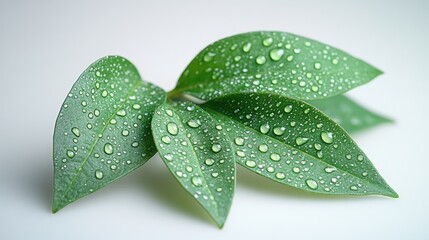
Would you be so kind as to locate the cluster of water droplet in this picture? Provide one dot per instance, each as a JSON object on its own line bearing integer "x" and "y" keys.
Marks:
{"x": 274, "y": 62}
{"x": 103, "y": 129}
{"x": 293, "y": 143}
{"x": 196, "y": 150}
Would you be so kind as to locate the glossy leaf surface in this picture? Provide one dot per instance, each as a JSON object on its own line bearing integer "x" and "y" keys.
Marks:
{"x": 293, "y": 143}
{"x": 274, "y": 62}
{"x": 103, "y": 129}
{"x": 349, "y": 114}
{"x": 197, "y": 151}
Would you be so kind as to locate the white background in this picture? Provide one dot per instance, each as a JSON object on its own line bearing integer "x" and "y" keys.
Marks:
{"x": 44, "y": 46}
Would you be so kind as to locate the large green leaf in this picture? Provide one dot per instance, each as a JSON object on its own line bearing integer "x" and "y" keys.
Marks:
{"x": 103, "y": 129}
{"x": 349, "y": 114}
{"x": 274, "y": 62}
{"x": 197, "y": 150}
{"x": 293, "y": 143}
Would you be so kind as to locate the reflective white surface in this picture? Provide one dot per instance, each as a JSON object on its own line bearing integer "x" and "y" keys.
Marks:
{"x": 45, "y": 45}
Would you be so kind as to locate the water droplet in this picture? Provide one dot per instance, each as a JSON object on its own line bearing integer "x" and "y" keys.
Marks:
{"x": 194, "y": 123}
{"x": 365, "y": 174}
{"x": 318, "y": 146}
{"x": 288, "y": 109}
{"x": 311, "y": 183}
{"x": 113, "y": 167}
{"x": 216, "y": 148}
{"x": 197, "y": 181}
{"x": 279, "y": 131}
{"x": 239, "y": 141}
{"x": 247, "y": 47}
{"x": 330, "y": 169}
{"x": 280, "y": 175}
{"x": 84, "y": 103}
{"x": 215, "y": 174}
{"x": 240, "y": 153}
{"x": 169, "y": 112}
{"x": 276, "y": 54}
{"x": 270, "y": 169}
{"x": 319, "y": 154}
{"x": 108, "y": 148}
{"x": 295, "y": 170}
{"x": 327, "y": 137}
{"x": 314, "y": 88}
{"x": 267, "y": 42}
{"x": 250, "y": 163}
{"x": 104, "y": 93}
{"x": 317, "y": 66}
{"x": 172, "y": 128}
{"x": 275, "y": 157}
{"x": 121, "y": 113}
{"x": 264, "y": 128}
{"x": 99, "y": 174}
{"x": 75, "y": 131}
{"x": 70, "y": 154}
{"x": 113, "y": 121}
{"x": 261, "y": 60}
{"x": 263, "y": 148}
{"x": 189, "y": 169}
{"x": 166, "y": 139}
{"x": 179, "y": 173}
{"x": 209, "y": 162}
{"x": 168, "y": 156}
{"x": 348, "y": 156}
{"x": 98, "y": 73}
{"x": 353, "y": 188}
{"x": 135, "y": 144}
{"x": 335, "y": 61}
{"x": 360, "y": 157}
{"x": 301, "y": 140}
{"x": 136, "y": 106}
{"x": 290, "y": 58}
{"x": 208, "y": 57}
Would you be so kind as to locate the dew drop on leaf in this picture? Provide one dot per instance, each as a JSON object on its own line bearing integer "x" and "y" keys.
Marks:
{"x": 250, "y": 163}
{"x": 172, "y": 128}
{"x": 197, "y": 181}
{"x": 301, "y": 140}
{"x": 216, "y": 148}
{"x": 166, "y": 139}
{"x": 327, "y": 137}
{"x": 75, "y": 131}
{"x": 311, "y": 183}
{"x": 99, "y": 174}
{"x": 276, "y": 54}
{"x": 108, "y": 149}
{"x": 264, "y": 128}
{"x": 239, "y": 141}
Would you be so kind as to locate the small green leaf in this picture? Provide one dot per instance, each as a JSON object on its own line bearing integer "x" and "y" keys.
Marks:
{"x": 103, "y": 129}
{"x": 293, "y": 143}
{"x": 274, "y": 62}
{"x": 198, "y": 152}
{"x": 348, "y": 114}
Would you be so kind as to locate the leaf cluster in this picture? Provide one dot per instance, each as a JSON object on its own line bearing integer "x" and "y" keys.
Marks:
{"x": 269, "y": 101}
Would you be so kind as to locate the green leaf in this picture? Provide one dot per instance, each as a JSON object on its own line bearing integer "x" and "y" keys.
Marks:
{"x": 103, "y": 129}
{"x": 197, "y": 150}
{"x": 348, "y": 114}
{"x": 274, "y": 62}
{"x": 293, "y": 143}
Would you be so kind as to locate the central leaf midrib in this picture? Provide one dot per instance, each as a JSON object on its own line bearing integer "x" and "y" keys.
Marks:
{"x": 129, "y": 93}
{"x": 293, "y": 148}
